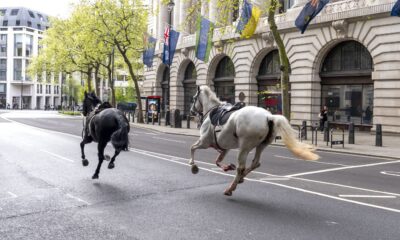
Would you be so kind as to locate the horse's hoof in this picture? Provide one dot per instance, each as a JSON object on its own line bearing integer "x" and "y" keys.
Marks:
{"x": 85, "y": 162}
{"x": 230, "y": 167}
{"x": 111, "y": 165}
{"x": 107, "y": 158}
{"x": 228, "y": 193}
{"x": 96, "y": 176}
{"x": 195, "y": 169}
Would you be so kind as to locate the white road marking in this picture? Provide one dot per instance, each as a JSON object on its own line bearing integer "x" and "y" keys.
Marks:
{"x": 274, "y": 179}
{"x": 57, "y": 156}
{"x": 297, "y": 159}
{"x": 169, "y": 140}
{"x": 342, "y": 168}
{"x": 396, "y": 174}
{"x": 365, "y": 196}
{"x": 13, "y": 195}
{"x": 76, "y": 198}
{"x": 279, "y": 185}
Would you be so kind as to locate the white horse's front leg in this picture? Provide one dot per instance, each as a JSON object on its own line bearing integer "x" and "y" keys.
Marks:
{"x": 195, "y": 146}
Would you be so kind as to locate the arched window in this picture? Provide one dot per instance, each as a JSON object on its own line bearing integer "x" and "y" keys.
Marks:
{"x": 347, "y": 87}
{"x": 224, "y": 80}
{"x": 189, "y": 87}
{"x": 165, "y": 89}
{"x": 268, "y": 78}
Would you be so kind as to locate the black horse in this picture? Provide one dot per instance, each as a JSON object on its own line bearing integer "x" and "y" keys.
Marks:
{"x": 103, "y": 124}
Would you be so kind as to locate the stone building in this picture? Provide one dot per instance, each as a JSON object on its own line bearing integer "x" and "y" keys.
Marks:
{"x": 348, "y": 59}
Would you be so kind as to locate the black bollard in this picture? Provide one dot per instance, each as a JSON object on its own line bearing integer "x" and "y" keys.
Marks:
{"x": 129, "y": 117}
{"x": 326, "y": 131}
{"x": 188, "y": 121}
{"x": 159, "y": 119}
{"x": 304, "y": 130}
{"x": 167, "y": 118}
{"x": 378, "y": 138}
{"x": 147, "y": 117}
{"x": 351, "y": 133}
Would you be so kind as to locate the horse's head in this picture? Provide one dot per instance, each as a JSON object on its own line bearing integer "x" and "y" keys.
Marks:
{"x": 89, "y": 102}
{"x": 197, "y": 106}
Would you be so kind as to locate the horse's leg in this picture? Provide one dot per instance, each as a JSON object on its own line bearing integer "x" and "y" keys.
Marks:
{"x": 100, "y": 149}
{"x": 85, "y": 140}
{"x": 240, "y": 170}
{"x": 111, "y": 164}
{"x": 224, "y": 166}
{"x": 196, "y": 145}
{"x": 256, "y": 161}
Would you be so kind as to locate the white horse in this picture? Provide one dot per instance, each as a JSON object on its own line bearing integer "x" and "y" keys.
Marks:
{"x": 248, "y": 128}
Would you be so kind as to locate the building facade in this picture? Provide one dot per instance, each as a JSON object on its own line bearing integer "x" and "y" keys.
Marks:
{"x": 348, "y": 59}
{"x": 21, "y": 30}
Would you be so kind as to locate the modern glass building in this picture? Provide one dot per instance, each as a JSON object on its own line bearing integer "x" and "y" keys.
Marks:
{"x": 21, "y": 30}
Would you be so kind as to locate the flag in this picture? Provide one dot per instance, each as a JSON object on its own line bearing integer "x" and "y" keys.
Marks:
{"x": 150, "y": 45}
{"x": 396, "y": 9}
{"x": 308, "y": 13}
{"x": 204, "y": 35}
{"x": 248, "y": 20}
{"x": 170, "y": 41}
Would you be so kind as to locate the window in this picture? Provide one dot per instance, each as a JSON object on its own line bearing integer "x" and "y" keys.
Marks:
{"x": 28, "y": 45}
{"x": 3, "y": 69}
{"x": 39, "y": 26}
{"x": 40, "y": 17}
{"x": 2, "y": 12}
{"x": 27, "y": 77}
{"x": 18, "y": 69}
{"x": 3, "y": 45}
{"x": 18, "y": 45}
{"x": 14, "y": 12}
{"x": 3, "y": 88}
{"x": 189, "y": 86}
{"x": 29, "y": 24}
{"x": 224, "y": 80}
{"x": 31, "y": 14}
{"x": 18, "y": 22}
{"x": 5, "y": 23}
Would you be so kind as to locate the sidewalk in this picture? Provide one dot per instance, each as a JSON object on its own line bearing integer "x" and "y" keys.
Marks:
{"x": 364, "y": 141}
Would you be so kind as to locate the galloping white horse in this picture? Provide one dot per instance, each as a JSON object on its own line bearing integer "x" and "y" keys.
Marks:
{"x": 247, "y": 128}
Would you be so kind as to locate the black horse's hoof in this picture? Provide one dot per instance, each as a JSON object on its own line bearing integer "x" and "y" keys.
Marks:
{"x": 111, "y": 165}
{"x": 96, "y": 176}
{"x": 107, "y": 158}
{"x": 195, "y": 169}
{"x": 85, "y": 162}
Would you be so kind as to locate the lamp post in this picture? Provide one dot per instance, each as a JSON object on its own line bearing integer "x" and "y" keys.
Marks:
{"x": 170, "y": 7}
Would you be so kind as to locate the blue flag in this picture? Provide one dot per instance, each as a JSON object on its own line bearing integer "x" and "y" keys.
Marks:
{"x": 204, "y": 35}
{"x": 171, "y": 40}
{"x": 308, "y": 13}
{"x": 396, "y": 9}
{"x": 149, "y": 51}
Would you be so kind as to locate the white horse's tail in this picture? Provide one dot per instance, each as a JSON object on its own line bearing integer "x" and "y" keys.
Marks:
{"x": 301, "y": 150}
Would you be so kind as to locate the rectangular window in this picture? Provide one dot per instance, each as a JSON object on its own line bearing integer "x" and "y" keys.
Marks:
{"x": 5, "y": 23}
{"x": 28, "y": 45}
{"x": 3, "y": 69}
{"x": 18, "y": 45}
{"x": 31, "y": 14}
{"x": 2, "y": 12}
{"x": 27, "y": 77}
{"x": 3, "y": 88}
{"x": 29, "y": 24}
{"x": 18, "y": 69}
{"x": 39, "y": 26}
{"x": 18, "y": 22}
{"x": 3, "y": 45}
{"x": 40, "y": 17}
{"x": 14, "y": 12}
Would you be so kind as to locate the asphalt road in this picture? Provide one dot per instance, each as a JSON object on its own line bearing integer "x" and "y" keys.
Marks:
{"x": 45, "y": 192}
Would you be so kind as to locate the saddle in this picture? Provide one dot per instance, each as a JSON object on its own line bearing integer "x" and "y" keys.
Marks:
{"x": 219, "y": 116}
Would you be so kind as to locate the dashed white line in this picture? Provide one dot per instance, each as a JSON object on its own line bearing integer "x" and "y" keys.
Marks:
{"x": 396, "y": 174}
{"x": 297, "y": 159}
{"x": 57, "y": 156}
{"x": 76, "y": 198}
{"x": 13, "y": 195}
{"x": 341, "y": 168}
{"x": 365, "y": 196}
{"x": 169, "y": 140}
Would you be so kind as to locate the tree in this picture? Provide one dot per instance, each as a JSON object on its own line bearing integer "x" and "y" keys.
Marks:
{"x": 122, "y": 24}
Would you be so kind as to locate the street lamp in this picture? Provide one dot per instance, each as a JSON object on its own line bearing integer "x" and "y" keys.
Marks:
{"x": 170, "y": 7}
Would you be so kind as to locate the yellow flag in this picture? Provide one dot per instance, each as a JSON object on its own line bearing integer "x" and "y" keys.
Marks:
{"x": 251, "y": 25}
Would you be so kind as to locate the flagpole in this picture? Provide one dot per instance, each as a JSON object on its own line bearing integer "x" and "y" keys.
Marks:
{"x": 170, "y": 7}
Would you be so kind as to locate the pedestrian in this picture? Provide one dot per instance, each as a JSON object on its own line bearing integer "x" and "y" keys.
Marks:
{"x": 323, "y": 117}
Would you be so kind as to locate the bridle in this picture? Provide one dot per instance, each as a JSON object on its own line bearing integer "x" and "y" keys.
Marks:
{"x": 200, "y": 113}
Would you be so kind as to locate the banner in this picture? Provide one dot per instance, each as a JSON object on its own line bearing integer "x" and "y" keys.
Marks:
{"x": 248, "y": 20}
{"x": 204, "y": 36}
{"x": 148, "y": 53}
{"x": 308, "y": 13}
{"x": 396, "y": 9}
{"x": 171, "y": 38}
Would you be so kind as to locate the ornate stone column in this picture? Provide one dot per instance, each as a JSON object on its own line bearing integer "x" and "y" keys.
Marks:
{"x": 213, "y": 11}
{"x": 162, "y": 19}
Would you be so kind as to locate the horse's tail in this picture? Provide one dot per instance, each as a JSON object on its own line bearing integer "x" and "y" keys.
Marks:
{"x": 299, "y": 149}
{"x": 119, "y": 139}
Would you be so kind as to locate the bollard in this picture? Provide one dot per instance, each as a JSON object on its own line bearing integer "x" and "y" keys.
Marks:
{"x": 304, "y": 130}
{"x": 378, "y": 134}
{"x": 147, "y": 118}
{"x": 326, "y": 132}
{"x": 167, "y": 118}
{"x": 133, "y": 117}
{"x": 188, "y": 121}
{"x": 351, "y": 133}
{"x": 129, "y": 116}
{"x": 159, "y": 119}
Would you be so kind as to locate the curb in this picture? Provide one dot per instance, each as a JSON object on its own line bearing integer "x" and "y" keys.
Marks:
{"x": 321, "y": 149}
